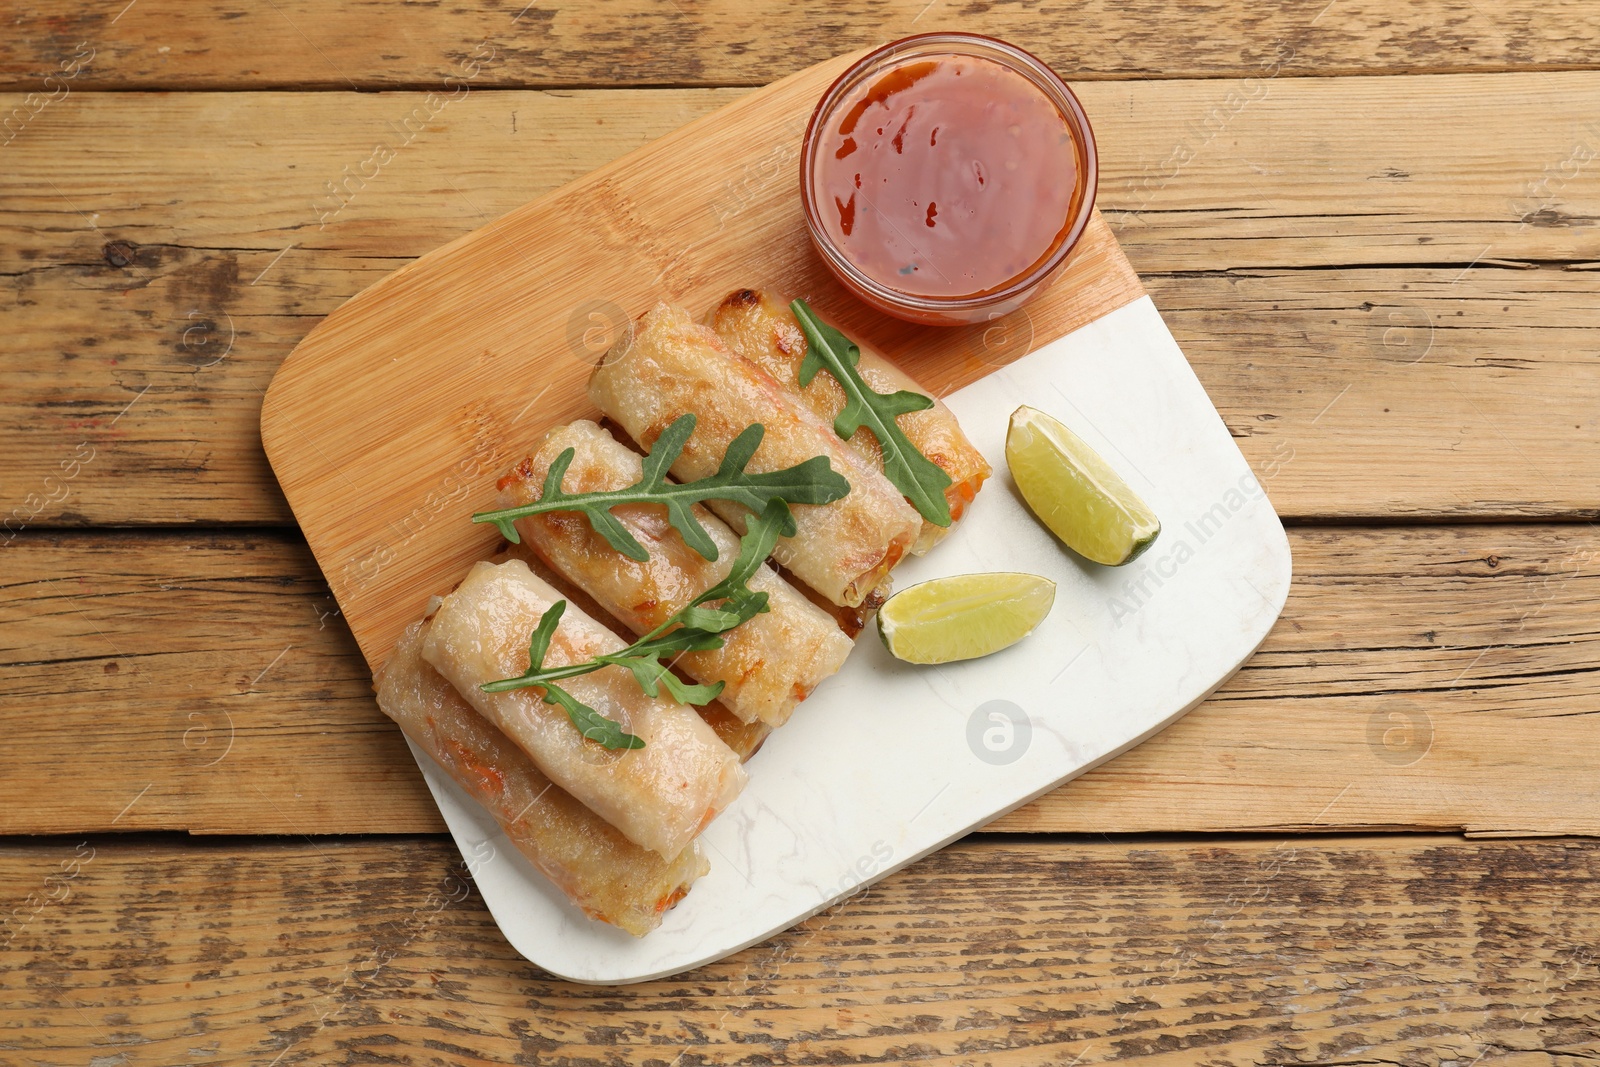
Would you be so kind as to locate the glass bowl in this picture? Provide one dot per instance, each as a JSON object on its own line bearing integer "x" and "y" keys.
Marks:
{"x": 855, "y": 86}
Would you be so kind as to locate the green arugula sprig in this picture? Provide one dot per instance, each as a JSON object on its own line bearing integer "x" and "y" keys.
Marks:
{"x": 811, "y": 482}
{"x": 696, "y": 627}
{"x": 590, "y": 723}
{"x": 919, "y": 478}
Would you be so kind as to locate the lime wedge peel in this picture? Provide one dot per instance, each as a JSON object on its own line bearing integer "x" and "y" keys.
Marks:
{"x": 964, "y": 616}
{"x": 1075, "y": 492}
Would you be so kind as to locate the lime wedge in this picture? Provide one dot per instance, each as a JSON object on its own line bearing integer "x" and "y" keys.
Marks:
{"x": 1075, "y": 492}
{"x": 964, "y": 616}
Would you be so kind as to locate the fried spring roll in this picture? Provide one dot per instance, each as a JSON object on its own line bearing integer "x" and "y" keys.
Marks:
{"x": 671, "y": 365}
{"x": 609, "y": 877}
{"x": 760, "y": 327}
{"x": 767, "y": 665}
{"x": 660, "y": 796}
{"x": 745, "y": 738}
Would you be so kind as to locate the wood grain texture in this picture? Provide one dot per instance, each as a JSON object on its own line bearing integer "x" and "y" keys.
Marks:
{"x": 252, "y": 268}
{"x": 1393, "y": 394}
{"x": 1422, "y": 950}
{"x": 244, "y": 644}
{"x": 1436, "y": 678}
{"x": 387, "y": 425}
{"x": 186, "y": 312}
{"x": 1309, "y": 240}
{"x": 367, "y": 43}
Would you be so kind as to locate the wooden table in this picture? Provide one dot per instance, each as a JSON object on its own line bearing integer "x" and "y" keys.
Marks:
{"x": 1371, "y": 227}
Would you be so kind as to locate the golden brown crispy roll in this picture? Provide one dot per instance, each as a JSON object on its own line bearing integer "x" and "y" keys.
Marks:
{"x": 588, "y": 859}
{"x": 660, "y": 796}
{"x": 745, "y": 738}
{"x": 767, "y": 665}
{"x": 671, "y": 365}
{"x": 759, "y": 326}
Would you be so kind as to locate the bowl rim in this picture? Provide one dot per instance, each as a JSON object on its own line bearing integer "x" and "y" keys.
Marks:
{"x": 1027, "y": 64}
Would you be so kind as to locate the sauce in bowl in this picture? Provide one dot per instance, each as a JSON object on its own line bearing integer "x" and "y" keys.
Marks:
{"x": 947, "y": 176}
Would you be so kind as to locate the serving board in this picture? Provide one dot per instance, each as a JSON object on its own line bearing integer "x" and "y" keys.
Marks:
{"x": 389, "y": 423}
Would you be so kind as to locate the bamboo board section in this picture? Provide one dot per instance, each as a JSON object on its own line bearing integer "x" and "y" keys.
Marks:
{"x": 389, "y": 423}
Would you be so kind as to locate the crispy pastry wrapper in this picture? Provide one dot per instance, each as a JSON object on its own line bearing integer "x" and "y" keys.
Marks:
{"x": 767, "y": 665}
{"x": 745, "y": 738}
{"x": 758, "y": 326}
{"x": 671, "y": 365}
{"x": 660, "y": 796}
{"x": 602, "y": 872}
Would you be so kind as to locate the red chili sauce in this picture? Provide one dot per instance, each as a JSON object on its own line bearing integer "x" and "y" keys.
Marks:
{"x": 946, "y": 177}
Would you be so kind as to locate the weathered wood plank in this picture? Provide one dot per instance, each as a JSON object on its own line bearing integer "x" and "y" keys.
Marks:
{"x": 1269, "y": 171}
{"x": 1419, "y": 394}
{"x": 368, "y": 44}
{"x": 1320, "y": 172}
{"x": 186, "y": 311}
{"x": 239, "y": 642}
{"x": 1350, "y": 951}
{"x": 226, "y": 266}
{"x": 1436, "y": 677}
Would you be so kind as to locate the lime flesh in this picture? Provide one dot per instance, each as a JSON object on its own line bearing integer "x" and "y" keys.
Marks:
{"x": 1074, "y": 491}
{"x": 964, "y": 616}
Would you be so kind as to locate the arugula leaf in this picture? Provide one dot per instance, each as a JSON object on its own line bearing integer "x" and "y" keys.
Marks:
{"x": 651, "y": 673}
{"x": 811, "y": 482}
{"x": 539, "y": 643}
{"x": 696, "y": 627}
{"x": 761, "y": 535}
{"x": 590, "y": 723}
{"x": 921, "y": 480}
